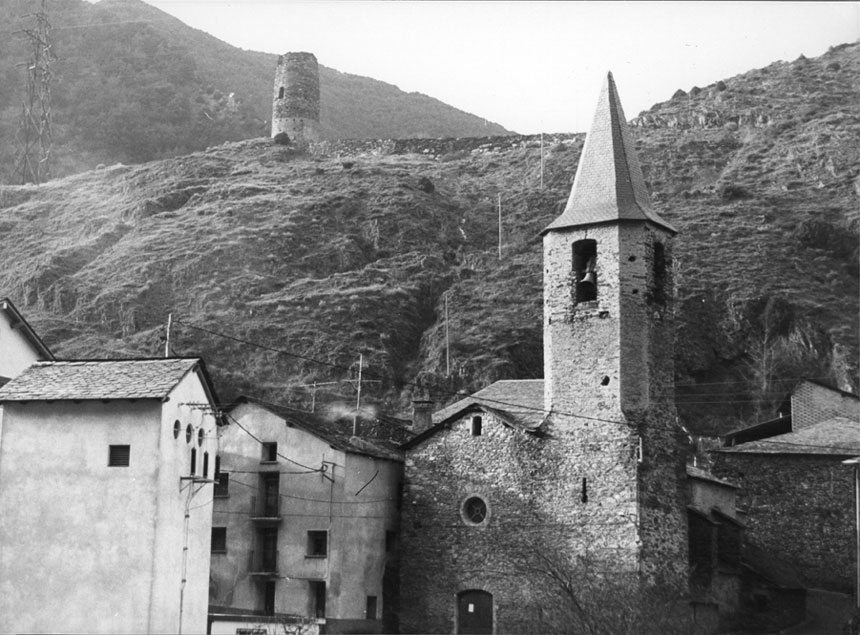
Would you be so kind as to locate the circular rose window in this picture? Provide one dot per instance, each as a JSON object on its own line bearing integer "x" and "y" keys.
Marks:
{"x": 475, "y": 510}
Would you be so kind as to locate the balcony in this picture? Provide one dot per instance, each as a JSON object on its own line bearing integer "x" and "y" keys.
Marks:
{"x": 264, "y": 563}
{"x": 266, "y": 510}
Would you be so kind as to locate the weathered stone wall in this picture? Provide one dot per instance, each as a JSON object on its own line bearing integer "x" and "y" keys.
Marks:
{"x": 437, "y": 148}
{"x": 296, "y": 101}
{"x": 800, "y": 508}
{"x": 812, "y": 403}
{"x": 609, "y": 364}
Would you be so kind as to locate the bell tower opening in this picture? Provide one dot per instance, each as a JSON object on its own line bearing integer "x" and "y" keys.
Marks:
{"x": 584, "y": 270}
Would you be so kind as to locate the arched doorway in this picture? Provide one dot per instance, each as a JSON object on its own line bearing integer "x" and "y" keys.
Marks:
{"x": 475, "y": 612}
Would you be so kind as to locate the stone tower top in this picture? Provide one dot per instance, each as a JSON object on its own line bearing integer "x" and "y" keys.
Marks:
{"x": 609, "y": 185}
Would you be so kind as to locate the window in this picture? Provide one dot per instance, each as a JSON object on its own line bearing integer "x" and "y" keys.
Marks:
{"x": 119, "y": 455}
{"x": 370, "y": 613}
{"x": 222, "y": 485}
{"x": 477, "y": 425}
{"x": 270, "y": 452}
{"x": 474, "y": 510}
{"x": 281, "y": 92}
{"x": 269, "y": 598}
{"x": 390, "y": 541}
{"x": 584, "y": 494}
{"x": 585, "y": 270}
{"x": 219, "y": 540}
{"x": 659, "y": 271}
{"x": 200, "y": 435}
{"x": 217, "y": 466}
{"x": 317, "y": 599}
{"x": 189, "y": 432}
{"x": 177, "y": 428}
{"x": 317, "y": 544}
{"x": 205, "y": 465}
{"x": 193, "y": 461}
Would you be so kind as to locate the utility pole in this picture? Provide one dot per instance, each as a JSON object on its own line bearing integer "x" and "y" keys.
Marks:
{"x": 167, "y": 339}
{"x": 447, "y": 341}
{"x": 541, "y": 160}
{"x": 358, "y": 396}
{"x": 34, "y": 131}
{"x": 500, "y": 226}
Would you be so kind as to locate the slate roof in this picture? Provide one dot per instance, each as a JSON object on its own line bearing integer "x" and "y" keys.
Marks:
{"x": 99, "y": 379}
{"x": 519, "y": 399}
{"x": 838, "y": 436}
{"x": 609, "y": 185}
{"x": 17, "y": 320}
{"x": 704, "y": 475}
{"x": 337, "y": 433}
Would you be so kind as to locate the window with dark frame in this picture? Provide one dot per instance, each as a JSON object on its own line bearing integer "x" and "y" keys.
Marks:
{"x": 270, "y": 452}
{"x": 475, "y": 510}
{"x": 219, "y": 540}
{"x": 222, "y": 485}
{"x": 317, "y": 544}
{"x": 477, "y": 425}
{"x": 119, "y": 455}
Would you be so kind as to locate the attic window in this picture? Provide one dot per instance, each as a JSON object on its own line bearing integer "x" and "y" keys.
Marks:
{"x": 119, "y": 455}
{"x": 270, "y": 452}
{"x": 585, "y": 270}
{"x": 477, "y": 425}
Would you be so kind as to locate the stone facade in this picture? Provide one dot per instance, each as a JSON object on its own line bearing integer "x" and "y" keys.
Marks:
{"x": 800, "y": 507}
{"x": 505, "y": 498}
{"x": 296, "y": 101}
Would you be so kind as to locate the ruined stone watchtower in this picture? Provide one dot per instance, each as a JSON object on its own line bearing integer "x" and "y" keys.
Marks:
{"x": 296, "y": 105}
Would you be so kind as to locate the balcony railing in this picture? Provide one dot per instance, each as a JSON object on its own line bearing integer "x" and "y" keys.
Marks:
{"x": 264, "y": 562}
{"x": 266, "y": 509}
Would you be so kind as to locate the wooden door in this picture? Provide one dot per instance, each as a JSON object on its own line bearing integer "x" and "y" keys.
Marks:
{"x": 475, "y": 612}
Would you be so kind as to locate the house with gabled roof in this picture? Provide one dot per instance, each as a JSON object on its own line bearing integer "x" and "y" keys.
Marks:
{"x": 305, "y": 522}
{"x": 798, "y": 498}
{"x": 106, "y": 473}
{"x": 582, "y": 471}
{"x": 20, "y": 346}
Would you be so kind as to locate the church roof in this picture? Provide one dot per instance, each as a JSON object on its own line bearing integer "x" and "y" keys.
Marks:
{"x": 609, "y": 185}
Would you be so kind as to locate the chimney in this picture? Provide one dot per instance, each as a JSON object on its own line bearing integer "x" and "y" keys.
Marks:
{"x": 422, "y": 413}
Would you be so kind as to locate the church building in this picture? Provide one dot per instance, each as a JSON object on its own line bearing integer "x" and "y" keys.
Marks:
{"x": 525, "y": 497}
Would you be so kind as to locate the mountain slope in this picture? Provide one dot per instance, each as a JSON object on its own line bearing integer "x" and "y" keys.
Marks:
{"x": 325, "y": 258}
{"x": 132, "y": 84}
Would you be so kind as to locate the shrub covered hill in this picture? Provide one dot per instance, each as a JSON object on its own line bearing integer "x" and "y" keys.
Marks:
{"x": 131, "y": 83}
{"x": 307, "y": 261}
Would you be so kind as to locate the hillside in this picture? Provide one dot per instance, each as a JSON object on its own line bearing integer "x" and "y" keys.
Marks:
{"x": 132, "y": 84}
{"x": 325, "y": 258}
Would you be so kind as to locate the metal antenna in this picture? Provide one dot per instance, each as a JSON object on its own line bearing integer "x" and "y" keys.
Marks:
{"x": 34, "y": 130}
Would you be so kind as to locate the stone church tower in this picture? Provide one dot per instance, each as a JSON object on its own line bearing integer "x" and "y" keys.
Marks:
{"x": 296, "y": 104}
{"x": 608, "y": 349}
{"x": 581, "y": 473}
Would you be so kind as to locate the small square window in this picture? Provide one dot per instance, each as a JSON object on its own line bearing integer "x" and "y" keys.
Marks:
{"x": 119, "y": 456}
{"x": 222, "y": 485}
{"x": 219, "y": 540}
{"x": 317, "y": 544}
{"x": 270, "y": 452}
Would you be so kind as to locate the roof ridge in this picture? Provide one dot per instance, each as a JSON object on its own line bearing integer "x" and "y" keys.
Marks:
{"x": 609, "y": 185}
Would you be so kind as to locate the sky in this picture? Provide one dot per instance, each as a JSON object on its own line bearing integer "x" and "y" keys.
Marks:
{"x": 531, "y": 66}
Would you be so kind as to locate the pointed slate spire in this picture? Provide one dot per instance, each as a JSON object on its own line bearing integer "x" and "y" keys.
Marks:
{"x": 609, "y": 185}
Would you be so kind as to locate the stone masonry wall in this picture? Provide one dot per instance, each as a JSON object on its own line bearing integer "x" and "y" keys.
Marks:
{"x": 296, "y": 99}
{"x": 800, "y": 508}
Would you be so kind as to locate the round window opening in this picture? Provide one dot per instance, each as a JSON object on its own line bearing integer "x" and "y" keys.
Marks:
{"x": 177, "y": 428}
{"x": 475, "y": 510}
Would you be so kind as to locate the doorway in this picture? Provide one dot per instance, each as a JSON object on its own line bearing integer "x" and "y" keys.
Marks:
{"x": 475, "y": 612}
